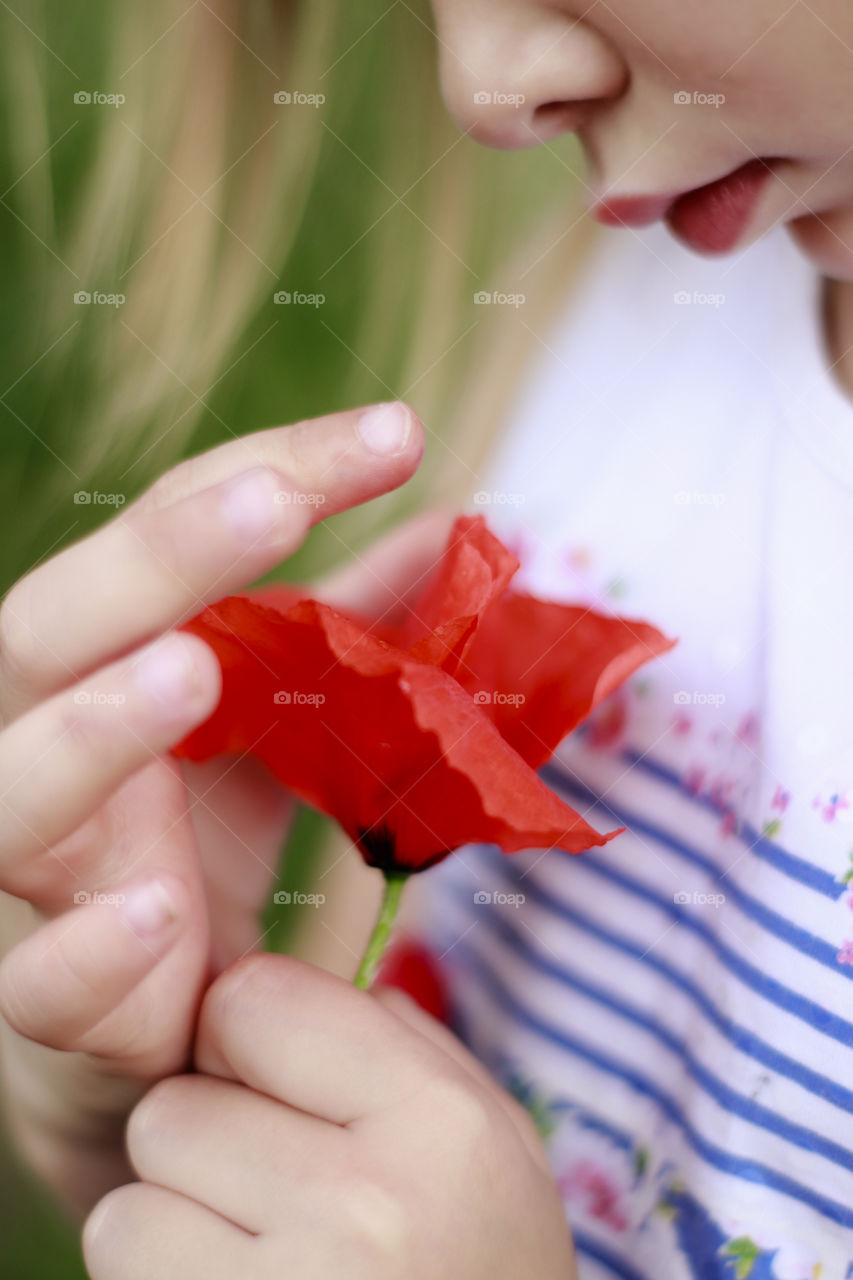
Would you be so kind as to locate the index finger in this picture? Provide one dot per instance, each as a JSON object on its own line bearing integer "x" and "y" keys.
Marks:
{"x": 205, "y": 529}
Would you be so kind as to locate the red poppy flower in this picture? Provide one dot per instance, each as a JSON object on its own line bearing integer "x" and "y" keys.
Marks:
{"x": 426, "y": 736}
{"x": 411, "y": 966}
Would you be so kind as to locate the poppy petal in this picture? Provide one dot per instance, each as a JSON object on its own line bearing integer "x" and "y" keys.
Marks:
{"x": 539, "y": 668}
{"x": 473, "y": 571}
{"x": 484, "y": 791}
{"x": 280, "y": 595}
{"x": 410, "y": 966}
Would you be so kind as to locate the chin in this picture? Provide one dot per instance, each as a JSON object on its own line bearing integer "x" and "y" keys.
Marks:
{"x": 827, "y": 240}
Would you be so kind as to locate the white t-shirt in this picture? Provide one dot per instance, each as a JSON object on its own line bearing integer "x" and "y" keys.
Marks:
{"x": 679, "y": 1005}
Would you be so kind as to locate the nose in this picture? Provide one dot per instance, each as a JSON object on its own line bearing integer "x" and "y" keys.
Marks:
{"x": 516, "y": 74}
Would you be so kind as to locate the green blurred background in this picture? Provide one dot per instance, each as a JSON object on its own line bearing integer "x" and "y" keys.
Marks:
{"x": 388, "y": 213}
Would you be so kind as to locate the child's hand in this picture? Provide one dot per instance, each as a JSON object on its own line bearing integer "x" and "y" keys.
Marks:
{"x": 334, "y": 1134}
{"x": 92, "y": 806}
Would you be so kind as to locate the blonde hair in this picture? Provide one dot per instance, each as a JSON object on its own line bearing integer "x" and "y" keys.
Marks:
{"x": 173, "y": 207}
{"x": 196, "y": 200}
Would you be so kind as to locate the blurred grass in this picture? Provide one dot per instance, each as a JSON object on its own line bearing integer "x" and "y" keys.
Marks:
{"x": 35, "y": 1241}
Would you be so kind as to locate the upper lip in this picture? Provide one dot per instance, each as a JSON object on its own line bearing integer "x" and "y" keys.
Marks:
{"x": 633, "y": 211}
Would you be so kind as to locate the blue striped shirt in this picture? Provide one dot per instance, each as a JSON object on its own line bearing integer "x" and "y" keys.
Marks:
{"x": 677, "y": 1008}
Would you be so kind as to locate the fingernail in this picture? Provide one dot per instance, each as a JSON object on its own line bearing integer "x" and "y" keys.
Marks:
{"x": 148, "y": 909}
{"x": 250, "y": 502}
{"x": 166, "y": 672}
{"x": 385, "y": 428}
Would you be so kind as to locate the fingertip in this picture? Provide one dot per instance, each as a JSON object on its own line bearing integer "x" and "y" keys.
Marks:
{"x": 152, "y": 908}
{"x": 106, "y": 1225}
{"x": 58, "y": 985}
{"x": 208, "y": 671}
{"x": 255, "y": 989}
{"x": 251, "y": 979}
{"x": 209, "y": 1054}
{"x": 179, "y": 674}
{"x": 92, "y": 1227}
{"x": 398, "y": 1001}
{"x": 390, "y": 430}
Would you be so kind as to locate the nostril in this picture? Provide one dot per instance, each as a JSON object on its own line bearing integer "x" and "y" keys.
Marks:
{"x": 558, "y": 117}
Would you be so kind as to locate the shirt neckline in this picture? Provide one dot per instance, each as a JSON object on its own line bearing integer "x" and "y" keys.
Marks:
{"x": 813, "y": 405}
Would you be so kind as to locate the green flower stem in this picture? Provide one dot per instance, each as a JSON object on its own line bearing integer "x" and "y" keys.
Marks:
{"x": 394, "y": 882}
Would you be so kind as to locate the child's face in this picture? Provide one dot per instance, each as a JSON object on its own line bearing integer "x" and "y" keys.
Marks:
{"x": 668, "y": 96}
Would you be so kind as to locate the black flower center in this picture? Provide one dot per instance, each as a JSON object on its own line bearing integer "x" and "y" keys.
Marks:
{"x": 379, "y": 846}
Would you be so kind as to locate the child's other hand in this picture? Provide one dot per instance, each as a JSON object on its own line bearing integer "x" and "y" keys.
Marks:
{"x": 95, "y": 687}
{"x": 334, "y": 1133}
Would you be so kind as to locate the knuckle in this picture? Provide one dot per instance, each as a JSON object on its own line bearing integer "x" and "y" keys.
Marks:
{"x": 19, "y": 645}
{"x": 85, "y": 734}
{"x": 98, "y": 846}
{"x": 397, "y": 1000}
{"x": 252, "y": 975}
{"x": 158, "y": 494}
{"x": 300, "y": 450}
{"x": 174, "y": 484}
{"x": 74, "y": 963}
{"x": 160, "y": 539}
{"x": 127, "y": 1041}
{"x": 15, "y": 1002}
{"x": 95, "y": 731}
{"x": 463, "y": 1109}
{"x": 304, "y": 455}
{"x": 377, "y": 1228}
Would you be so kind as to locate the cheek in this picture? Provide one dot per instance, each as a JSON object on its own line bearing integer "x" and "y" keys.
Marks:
{"x": 827, "y": 241}
{"x": 688, "y": 40}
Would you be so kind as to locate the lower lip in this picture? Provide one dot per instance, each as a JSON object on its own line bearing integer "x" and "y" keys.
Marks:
{"x": 713, "y": 218}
